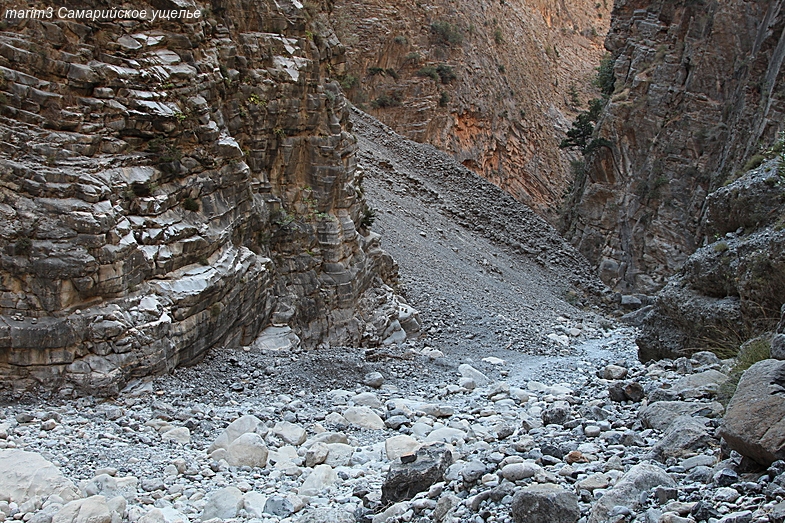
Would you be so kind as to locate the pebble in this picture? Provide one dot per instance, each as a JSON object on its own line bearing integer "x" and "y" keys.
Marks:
{"x": 374, "y": 380}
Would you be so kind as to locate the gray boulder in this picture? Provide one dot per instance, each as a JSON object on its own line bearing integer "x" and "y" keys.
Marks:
{"x": 625, "y": 391}
{"x": 682, "y": 316}
{"x": 322, "y": 477}
{"x": 754, "y": 422}
{"x": 614, "y": 372}
{"x": 223, "y": 503}
{"x": 661, "y": 414}
{"x": 700, "y": 384}
{"x": 546, "y": 502}
{"x": 374, "y": 380}
{"x": 627, "y": 491}
{"x": 279, "y": 506}
{"x": 685, "y": 435}
{"x": 556, "y": 414}
{"x": 705, "y": 357}
{"x": 407, "y": 479}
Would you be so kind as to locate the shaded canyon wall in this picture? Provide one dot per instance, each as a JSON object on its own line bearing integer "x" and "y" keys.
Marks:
{"x": 698, "y": 95}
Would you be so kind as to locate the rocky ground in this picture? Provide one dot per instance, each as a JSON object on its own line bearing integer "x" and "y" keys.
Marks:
{"x": 512, "y": 405}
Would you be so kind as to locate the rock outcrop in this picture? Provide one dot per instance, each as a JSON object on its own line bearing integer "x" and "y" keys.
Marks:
{"x": 698, "y": 93}
{"x": 493, "y": 84}
{"x": 172, "y": 185}
{"x": 733, "y": 288}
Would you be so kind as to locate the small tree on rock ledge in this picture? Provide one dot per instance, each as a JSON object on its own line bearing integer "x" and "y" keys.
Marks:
{"x": 580, "y": 135}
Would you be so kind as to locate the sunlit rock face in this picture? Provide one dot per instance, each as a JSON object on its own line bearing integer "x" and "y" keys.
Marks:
{"x": 174, "y": 185}
{"x": 493, "y": 84}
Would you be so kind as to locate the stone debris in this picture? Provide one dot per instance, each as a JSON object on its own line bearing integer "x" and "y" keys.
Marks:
{"x": 462, "y": 454}
{"x": 545, "y": 502}
{"x": 412, "y": 476}
{"x": 544, "y": 416}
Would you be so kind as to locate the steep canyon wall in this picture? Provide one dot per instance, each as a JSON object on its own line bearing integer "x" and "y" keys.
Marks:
{"x": 170, "y": 186}
{"x": 495, "y": 84}
{"x": 698, "y": 94}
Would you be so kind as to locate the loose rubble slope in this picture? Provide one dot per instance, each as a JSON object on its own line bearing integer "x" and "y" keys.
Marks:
{"x": 493, "y": 84}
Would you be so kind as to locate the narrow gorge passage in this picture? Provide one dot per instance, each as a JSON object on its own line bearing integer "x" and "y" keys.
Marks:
{"x": 228, "y": 293}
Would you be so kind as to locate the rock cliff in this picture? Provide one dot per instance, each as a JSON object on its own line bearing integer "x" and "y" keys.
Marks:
{"x": 698, "y": 94}
{"x": 172, "y": 185}
{"x": 733, "y": 288}
{"x": 494, "y": 84}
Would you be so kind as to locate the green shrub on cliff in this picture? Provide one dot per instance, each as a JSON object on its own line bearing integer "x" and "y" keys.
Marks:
{"x": 447, "y": 33}
{"x": 580, "y": 135}
{"x": 368, "y": 217}
{"x": 348, "y": 81}
{"x": 441, "y": 72}
{"x": 446, "y": 73}
{"x": 605, "y": 80}
{"x": 429, "y": 72}
{"x": 386, "y": 100}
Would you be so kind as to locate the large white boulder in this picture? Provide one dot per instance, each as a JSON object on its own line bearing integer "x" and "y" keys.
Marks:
{"x": 95, "y": 509}
{"x": 364, "y": 417}
{"x": 223, "y": 503}
{"x": 27, "y": 475}
{"x": 248, "y": 450}
{"x": 237, "y": 428}
{"x": 322, "y": 477}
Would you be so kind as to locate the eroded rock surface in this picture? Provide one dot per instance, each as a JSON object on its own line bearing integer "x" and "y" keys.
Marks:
{"x": 733, "y": 288}
{"x": 754, "y": 424}
{"x": 170, "y": 186}
{"x": 697, "y": 94}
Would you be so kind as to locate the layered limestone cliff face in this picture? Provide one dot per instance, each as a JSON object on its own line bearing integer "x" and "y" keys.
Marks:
{"x": 174, "y": 185}
{"x": 698, "y": 93}
{"x": 492, "y": 83}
